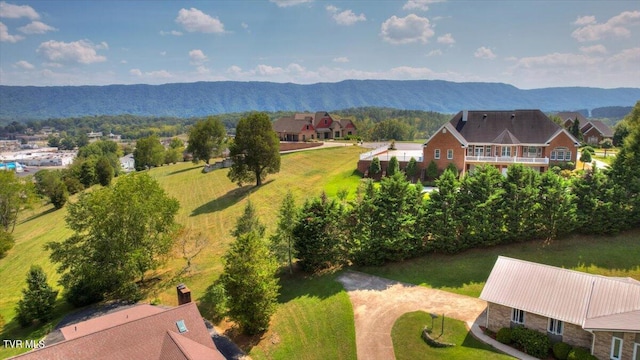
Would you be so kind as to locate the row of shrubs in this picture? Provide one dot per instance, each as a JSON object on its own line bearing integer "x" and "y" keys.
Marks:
{"x": 537, "y": 344}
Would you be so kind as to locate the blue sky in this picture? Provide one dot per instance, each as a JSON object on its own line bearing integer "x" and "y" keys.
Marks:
{"x": 529, "y": 44}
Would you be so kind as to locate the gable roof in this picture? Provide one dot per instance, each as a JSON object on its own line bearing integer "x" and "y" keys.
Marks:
{"x": 453, "y": 132}
{"x": 154, "y": 336}
{"x": 571, "y": 296}
{"x": 572, "y": 115}
{"x": 526, "y": 126}
{"x": 602, "y": 128}
{"x": 291, "y": 124}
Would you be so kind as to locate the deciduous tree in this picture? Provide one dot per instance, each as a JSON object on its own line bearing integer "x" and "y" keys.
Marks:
{"x": 255, "y": 150}
{"x": 120, "y": 233}
{"x": 149, "y": 152}
{"x": 206, "y": 138}
{"x": 16, "y": 194}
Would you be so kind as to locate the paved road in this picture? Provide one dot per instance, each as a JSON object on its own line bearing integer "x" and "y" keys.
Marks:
{"x": 378, "y": 302}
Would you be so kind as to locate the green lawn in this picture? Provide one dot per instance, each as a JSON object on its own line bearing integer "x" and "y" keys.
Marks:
{"x": 408, "y": 343}
{"x": 465, "y": 273}
{"x": 209, "y": 203}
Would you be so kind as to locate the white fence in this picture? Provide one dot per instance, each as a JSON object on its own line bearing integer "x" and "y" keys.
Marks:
{"x": 372, "y": 153}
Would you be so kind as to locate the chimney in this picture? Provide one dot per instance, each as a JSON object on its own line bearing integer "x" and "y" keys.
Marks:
{"x": 184, "y": 294}
{"x": 465, "y": 115}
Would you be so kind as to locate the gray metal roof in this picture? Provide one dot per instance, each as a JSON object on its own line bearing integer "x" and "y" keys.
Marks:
{"x": 563, "y": 294}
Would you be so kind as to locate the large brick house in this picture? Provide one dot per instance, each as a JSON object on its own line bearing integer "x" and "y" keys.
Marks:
{"x": 594, "y": 131}
{"x": 568, "y": 118}
{"x": 310, "y": 126}
{"x": 500, "y": 138}
{"x": 595, "y": 312}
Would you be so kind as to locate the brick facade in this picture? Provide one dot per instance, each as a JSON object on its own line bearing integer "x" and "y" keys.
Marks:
{"x": 499, "y": 316}
{"x": 561, "y": 141}
{"x": 444, "y": 141}
{"x": 602, "y": 344}
{"x": 592, "y": 136}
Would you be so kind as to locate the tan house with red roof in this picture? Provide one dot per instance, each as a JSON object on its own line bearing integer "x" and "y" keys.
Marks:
{"x": 595, "y": 312}
{"x": 310, "y": 126}
{"x": 139, "y": 332}
{"x": 500, "y": 138}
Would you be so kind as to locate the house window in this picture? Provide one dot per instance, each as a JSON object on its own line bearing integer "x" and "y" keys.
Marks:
{"x": 506, "y": 151}
{"x": 470, "y": 150}
{"x": 450, "y": 154}
{"x": 567, "y": 155}
{"x": 555, "y": 326}
{"x": 307, "y": 127}
{"x": 479, "y": 150}
{"x": 636, "y": 351}
{"x": 517, "y": 316}
{"x": 436, "y": 154}
{"x": 487, "y": 150}
{"x": 616, "y": 347}
{"x": 325, "y": 121}
{"x": 181, "y": 326}
{"x": 561, "y": 154}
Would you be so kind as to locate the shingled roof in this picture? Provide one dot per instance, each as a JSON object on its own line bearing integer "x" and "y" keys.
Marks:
{"x": 592, "y": 301}
{"x": 154, "y": 336}
{"x": 602, "y": 128}
{"x": 505, "y": 127}
{"x": 292, "y": 124}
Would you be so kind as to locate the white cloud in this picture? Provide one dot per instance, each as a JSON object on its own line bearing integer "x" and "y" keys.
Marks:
{"x": 197, "y": 57}
{"x": 585, "y": 20}
{"x": 409, "y": 72}
{"x": 25, "y": 65}
{"x": 628, "y": 59}
{"x": 346, "y": 17}
{"x": 123, "y": 61}
{"x": 160, "y": 74}
{"x": 194, "y": 20}
{"x": 409, "y": 29}
{"x": 446, "y": 39}
{"x": 81, "y": 51}
{"x": 419, "y": 4}
{"x": 436, "y": 52}
{"x": 287, "y": 3}
{"x": 6, "y": 37}
{"x": 36, "y": 27}
{"x": 558, "y": 60}
{"x": 244, "y": 25}
{"x": 52, "y": 64}
{"x": 484, "y": 53}
{"x": 172, "y": 32}
{"x": 163, "y": 53}
{"x": 11, "y": 11}
{"x": 341, "y": 59}
{"x": 614, "y": 27}
{"x": 599, "y": 49}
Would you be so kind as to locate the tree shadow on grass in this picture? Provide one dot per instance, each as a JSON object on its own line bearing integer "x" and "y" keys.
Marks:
{"x": 230, "y": 198}
{"x": 223, "y": 202}
{"x": 185, "y": 170}
{"x": 35, "y": 216}
{"x": 300, "y": 284}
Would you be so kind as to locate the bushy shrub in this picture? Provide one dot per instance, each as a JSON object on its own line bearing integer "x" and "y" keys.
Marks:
{"x": 214, "y": 302}
{"x": 561, "y": 350}
{"x": 532, "y": 342}
{"x": 504, "y": 336}
{"x": 6, "y": 242}
{"x": 580, "y": 354}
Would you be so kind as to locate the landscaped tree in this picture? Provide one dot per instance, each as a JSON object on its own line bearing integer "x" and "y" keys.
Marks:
{"x": 432, "y": 171}
{"x": 37, "y": 300}
{"x": 319, "y": 235}
{"x": 412, "y": 169}
{"x": 16, "y": 194}
{"x": 557, "y": 212}
{"x": 478, "y": 208}
{"x": 149, "y": 152}
{"x": 206, "y": 139}
{"x": 374, "y": 167}
{"x": 282, "y": 240}
{"x": 255, "y": 150}
{"x": 575, "y": 129}
{"x": 50, "y": 184}
{"x": 585, "y": 156}
{"x": 437, "y": 218}
{"x": 120, "y": 233}
{"x": 606, "y": 144}
{"x": 249, "y": 280}
{"x": 520, "y": 202}
{"x": 393, "y": 166}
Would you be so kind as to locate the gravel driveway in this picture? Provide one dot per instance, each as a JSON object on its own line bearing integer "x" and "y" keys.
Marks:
{"x": 378, "y": 302}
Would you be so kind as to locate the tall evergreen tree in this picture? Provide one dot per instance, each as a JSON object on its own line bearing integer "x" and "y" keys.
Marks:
{"x": 282, "y": 240}
{"x": 250, "y": 283}
{"x": 438, "y": 216}
{"x": 37, "y": 300}
{"x": 520, "y": 202}
{"x": 248, "y": 222}
{"x": 393, "y": 166}
{"x": 412, "y": 169}
{"x": 557, "y": 212}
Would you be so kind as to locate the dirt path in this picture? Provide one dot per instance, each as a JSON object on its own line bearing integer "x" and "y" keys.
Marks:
{"x": 378, "y": 302}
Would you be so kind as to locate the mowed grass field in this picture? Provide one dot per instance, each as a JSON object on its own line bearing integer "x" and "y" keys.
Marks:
{"x": 317, "y": 310}
{"x": 314, "y": 319}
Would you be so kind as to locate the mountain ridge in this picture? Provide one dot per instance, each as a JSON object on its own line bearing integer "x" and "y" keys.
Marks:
{"x": 210, "y": 98}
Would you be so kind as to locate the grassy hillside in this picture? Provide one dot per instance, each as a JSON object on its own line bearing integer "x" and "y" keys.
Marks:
{"x": 210, "y": 203}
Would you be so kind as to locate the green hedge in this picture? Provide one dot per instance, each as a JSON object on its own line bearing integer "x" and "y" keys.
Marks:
{"x": 561, "y": 350}
{"x": 533, "y": 343}
{"x": 504, "y": 336}
{"x": 580, "y": 354}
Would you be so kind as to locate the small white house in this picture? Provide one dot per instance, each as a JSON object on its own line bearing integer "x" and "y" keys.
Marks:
{"x": 128, "y": 163}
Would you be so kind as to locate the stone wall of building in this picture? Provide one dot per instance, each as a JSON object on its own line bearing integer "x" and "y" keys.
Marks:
{"x": 602, "y": 344}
